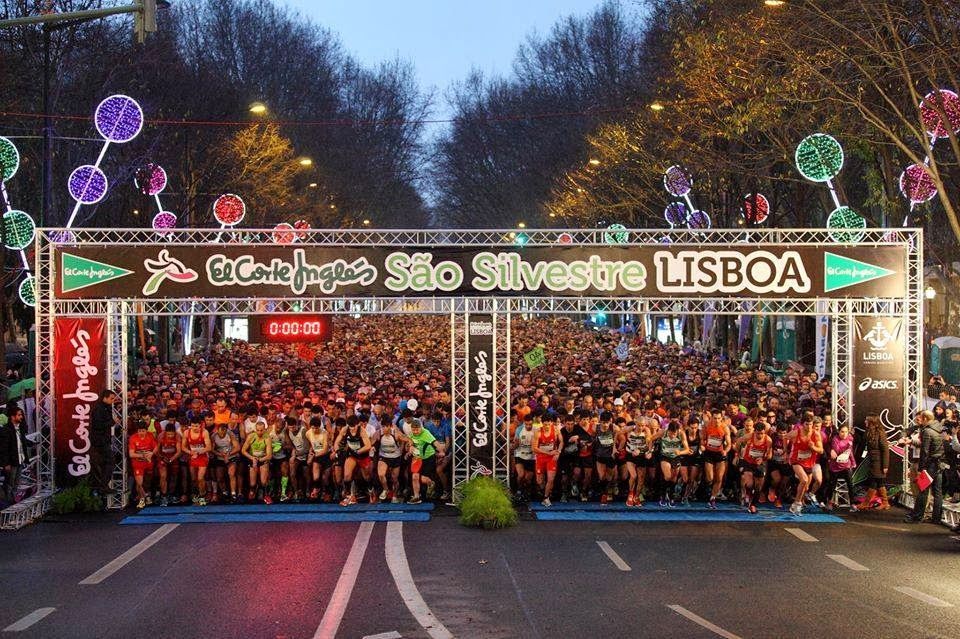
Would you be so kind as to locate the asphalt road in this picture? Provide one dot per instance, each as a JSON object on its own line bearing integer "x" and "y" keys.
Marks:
{"x": 871, "y": 577}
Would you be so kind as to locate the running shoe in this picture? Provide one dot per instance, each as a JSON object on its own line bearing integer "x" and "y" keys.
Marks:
{"x": 762, "y": 498}
{"x": 546, "y": 503}
{"x": 584, "y": 497}
{"x": 383, "y": 495}
{"x": 712, "y": 504}
{"x": 142, "y": 503}
{"x": 563, "y": 498}
{"x": 752, "y": 509}
{"x": 371, "y": 496}
{"x": 663, "y": 503}
{"x": 315, "y": 493}
{"x": 445, "y": 496}
{"x": 686, "y": 501}
{"x": 772, "y": 495}
{"x": 414, "y": 501}
{"x": 812, "y": 499}
{"x": 201, "y": 501}
{"x": 575, "y": 491}
{"x": 327, "y": 498}
{"x": 163, "y": 501}
{"x": 195, "y": 499}
{"x": 284, "y": 497}
{"x": 396, "y": 500}
{"x": 148, "y": 500}
{"x": 267, "y": 499}
{"x": 251, "y": 495}
{"x": 778, "y": 503}
{"x": 604, "y": 499}
{"x": 630, "y": 499}
{"x": 671, "y": 503}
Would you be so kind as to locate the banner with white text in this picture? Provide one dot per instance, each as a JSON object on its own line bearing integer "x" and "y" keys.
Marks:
{"x": 79, "y": 375}
{"x": 481, "y": 407}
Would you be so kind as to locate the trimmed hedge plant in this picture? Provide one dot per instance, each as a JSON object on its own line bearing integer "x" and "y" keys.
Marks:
{"x": 486, "y": 504}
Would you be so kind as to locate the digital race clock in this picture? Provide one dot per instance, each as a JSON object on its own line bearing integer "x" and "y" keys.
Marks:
{"x": 289, "y": 329}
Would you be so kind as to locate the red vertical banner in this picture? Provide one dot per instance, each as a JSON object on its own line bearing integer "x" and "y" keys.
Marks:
{"x": 79, "y": 375}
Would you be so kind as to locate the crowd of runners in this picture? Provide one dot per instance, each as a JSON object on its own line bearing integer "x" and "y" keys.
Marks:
{"x": 367, "y": 417}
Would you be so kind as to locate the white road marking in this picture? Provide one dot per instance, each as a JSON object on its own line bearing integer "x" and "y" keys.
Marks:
{"x": 393, "y": 634}
{"x": 130, "y": 555}
{"x": 333, "y": 615}
{"x": 614, "y": 557}
{"x": 700, "y": 621}
{"x": 846, "y": 562}
{"x": 400, "y": 569}
{"x": 924, "y": 597}
{"x": 29, "y": 620}
{"x": 801, "y": 534}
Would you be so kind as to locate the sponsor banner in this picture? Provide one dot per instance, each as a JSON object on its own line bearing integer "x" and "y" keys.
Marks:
{"x": 879, "y": 361}
{"x": 654, "y": 271}
{"x": 823, "y": 334}
{"x": 480, "y": 401}
{"x": 79, "y": 374}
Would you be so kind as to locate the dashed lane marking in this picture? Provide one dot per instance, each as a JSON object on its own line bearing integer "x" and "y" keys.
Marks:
{"x": 924, "y": 597}
{"x": 614, "y": 557}
{"x": 124, "y": 559}
{"x": 393, "y": 634}
{"x": 700, "y": 621}
{"x": 24, "y": 623}
{"x": 846, "y": 562}
{"x": 333, "y": 615}
{"x": 802, "y": 535}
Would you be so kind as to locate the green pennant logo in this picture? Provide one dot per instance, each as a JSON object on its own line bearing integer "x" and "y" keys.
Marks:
{"x": 841, "y": 272}
{"x": 79, "y": 272}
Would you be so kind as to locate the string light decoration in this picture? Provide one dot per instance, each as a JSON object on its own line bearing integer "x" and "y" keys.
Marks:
{"x": 301, "y": 225}
{"x": 917, "y": 185}
{"x": 19, "y": 230}
{"x": 936, "y": 125}
{"x": 87, "y": 184}
{"x": 9, "y": 159}
{"x": 677, "y": 181}
{"x": 118, "y": 119}
{"x": 675, "y": 214}
{"x": 151, "y": 179}
{"x": 844, "y": 217}
{"x": 756, "y": 208}
{"x": 819, "y": 157}
{"x": 28, "y": 291}
{"x": 616, "y": 234}
{"x": 283, "y": 234}
{"x": 164, "y": 221}
{"x": 698, "y": 220}
{"x": 229, "y": 210}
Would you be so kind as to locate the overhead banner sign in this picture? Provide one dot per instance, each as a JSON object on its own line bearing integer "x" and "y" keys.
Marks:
{"x": 79, "y": 375}
{"x": 879, "y": 371}
{"x": 654, "y": 271}
{"x": 481, "y": 413}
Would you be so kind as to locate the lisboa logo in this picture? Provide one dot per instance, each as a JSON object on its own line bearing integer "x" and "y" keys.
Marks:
{"x": 878, "y": 337}
{"x": 166, "y": 268}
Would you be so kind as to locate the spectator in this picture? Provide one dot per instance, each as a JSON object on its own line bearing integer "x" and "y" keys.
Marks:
{"x": 13, "y": 452}
{"x": 102, "y": 423}
{"x": 931, "y": 455}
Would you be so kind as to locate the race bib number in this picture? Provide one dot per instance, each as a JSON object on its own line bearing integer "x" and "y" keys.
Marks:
{"x": 714, "y": 442}
{"x": 804, "y": 454}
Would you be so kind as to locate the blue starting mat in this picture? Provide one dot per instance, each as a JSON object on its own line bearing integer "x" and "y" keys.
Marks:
{"x": 694, "y": 512}
{"x": 262, "y": 513}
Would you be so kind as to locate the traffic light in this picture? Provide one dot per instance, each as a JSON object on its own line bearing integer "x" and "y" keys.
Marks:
{"x": 146, "y": 19}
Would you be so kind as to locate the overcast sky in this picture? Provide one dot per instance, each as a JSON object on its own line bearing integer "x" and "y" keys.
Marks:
{"x": 443, "y": 38}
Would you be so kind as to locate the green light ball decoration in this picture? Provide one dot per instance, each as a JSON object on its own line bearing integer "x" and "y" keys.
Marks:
{"x": 28, "y": 291}
{"x": 819, "y": 157}
{"x": 19, "y": 229}
{"x": 616, "y": 234}
{"x": 846, "y": 218}
{"x": 9, "y": 159}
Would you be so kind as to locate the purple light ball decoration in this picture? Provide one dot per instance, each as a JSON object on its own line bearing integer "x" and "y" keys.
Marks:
{"x": 916, "y": 184}
{"x": 63, "y": 237}
{"x": 758, "y": 214}
{"x": 229, "y": 209}
{"x": 933, "y": 123}
{"x": 677, "y": 181}
{"x": 283, "y": 234}
{"x": 118, "y": 119}
{"x": 151, "y": 179}
{"x": 698, "y": 220}
{"x": 565, "y": 238}
{"x": 87, "y": 184}
{"x": 675, "y": 214}
{"x": 164, "y": 221}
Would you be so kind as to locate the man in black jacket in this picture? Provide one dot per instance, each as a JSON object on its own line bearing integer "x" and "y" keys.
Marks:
{"x": 931, "y": 454}
{"x": 102, "y": 423}
{"x": 13, "y": 452}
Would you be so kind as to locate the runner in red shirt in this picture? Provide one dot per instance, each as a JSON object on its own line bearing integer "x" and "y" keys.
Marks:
{"x": 716, "y": 445}
{"x": 196, "y": 444}
{"x": 142, "y": 448}
{"x": 546, "y": 446}
{"x": 805, "y": 448}
{"x": 757, "y": 450}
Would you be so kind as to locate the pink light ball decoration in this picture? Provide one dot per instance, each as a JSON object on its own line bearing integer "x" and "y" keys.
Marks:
{"x": 164, "y": 221}
{"x": 151, "y": 179}
{"x": 930, "y": 113}
{"x": 565, "y": 238}
{"x": 675, "y": 214}
{"x": 118, "y": 119}
{"x": 758, "y": 214}
{"x": 229, "y": 209}
{"x": 301, "y": 225}
{"x": 87, "y": 184}
{"x": 916, "y": 184}
{"x": 677, "y": 181}
{"x": 283, "y": 234}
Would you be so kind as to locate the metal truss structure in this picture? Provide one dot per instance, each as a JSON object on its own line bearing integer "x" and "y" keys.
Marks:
{"x": 118, "y": 312}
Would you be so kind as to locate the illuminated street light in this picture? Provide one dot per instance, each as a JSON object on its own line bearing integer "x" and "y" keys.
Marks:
{"x": 930, "y": 293}
{"x": 774, "y": 3}
{"x": 594, "y": 162}
{"x": 366, "y": 222}
{"x": 656, "y": 106}
{"x": 305, "y": 161}
{"x": 521, "y": 225}
{"x": 258, "y": 108}
{"x": 313, "y": 185}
